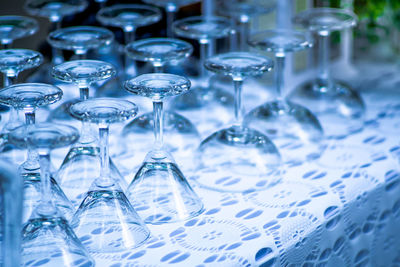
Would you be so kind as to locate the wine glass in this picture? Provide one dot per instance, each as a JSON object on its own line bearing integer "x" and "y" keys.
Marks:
{"x": 12, "y": 28}
{"x": 15, "y": 27}
{"x": 47, "y": 237}
{"x": 171, "y": 7}
{"x": 28, "y": 97}
{"x": 159, "y": 191}
{"x": 181, "y": 135}
{"x": 80, "y": 39}
{"x": 242, "y": 11}
{"x": 238, "y": 158}
{"x": 55, "y": 11}
{"x": 105, "y": 208}
{"x": 129, "y": 17}
{"x": 82, "y": 163}
{"x": 12, "y": 62}
{"x": 292, "y": 127}
{"x": 338, "y": 107}
{"x": 205, "y": 99}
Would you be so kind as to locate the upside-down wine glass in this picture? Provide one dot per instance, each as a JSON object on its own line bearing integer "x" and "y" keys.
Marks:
{"x": 181, "y": 135}
{"x": 15, "y": 27}
{"x": 80, "y": 39}
{"x": 205, "y": 99}
{"x": 292, "y": 127}
{"x": 159, "y": 191}
{"x": 28, "y": 97}
{"x": 129, "y": 17}
{"x": 171, "y": 7}
{"x": 47, "y": 238}
{"x": 82, "y": 163}
{"x": 238, "y": 158}
{"x": 242, "y": 11}
{"x": 105, "y": 208}
{"x": 338, "y": 107}
{"x": 55, "y": 11}
{"x": 12, "y": 28}
{"x": 12, "y": 62}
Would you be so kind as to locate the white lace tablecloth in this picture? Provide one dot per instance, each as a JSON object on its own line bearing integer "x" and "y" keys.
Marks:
{"x": 343, "y": 210}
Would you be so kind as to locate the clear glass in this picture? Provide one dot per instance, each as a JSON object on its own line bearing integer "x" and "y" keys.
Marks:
{"x": 182, "y": 136}
{"x": 80, "y": 39}
{"x": 205, "y": 100}
{"x": 82, "y": 163}
{"x": 339, "y": 108}
{"x": 47, "y": 237}
{"x": 12, "y": 62}
{"x": 292, "y": 127}
{"x": 105, "y": 208}
{"x": 242, "y": 11}
{"x": 28, "y": 97}
{"x": 238, "y": 158}
{"x": 55, "y": 11}
{"x": 171, "y": 7}
{"x": 159, "y": 190}
{"x": 16, "y": 27}
{"x": 129, "y": 17}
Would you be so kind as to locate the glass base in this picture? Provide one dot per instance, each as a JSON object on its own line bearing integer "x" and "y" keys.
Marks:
{"x": 80, "y": 168}
{"x": 339, "y": 108}
{"x": 114, "y": 225}
{"x": 238, "y": 159}
{"x": 50, "y": 241}
{"x": 160, "y": 192}
{"x": 294, "y": 130}
{"x": 33, "y": 194}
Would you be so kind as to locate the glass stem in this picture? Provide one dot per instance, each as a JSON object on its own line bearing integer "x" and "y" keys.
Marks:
{"x": 32, "y": 157}
{"x": 238, "y": 84}
{"x": 129, "y": 66}
{"x": 83, "y": 92}
{"x": 244, "y": 29}
{"x": 158, "y": 68}
{"x": 158, "y": 114}
{"x": 170, "y": 11}
{"x": 279, "y": 72}
{"x": 81, "y": 55}
{"x": 10, "y": 80}
{"x": 324, "y": 78}
{"x": 85, "y": 128}
{"x": 46, "y": 206}
{"x": 204, "y": 54}
{"x": 104, "y": 156}
{"x": 57, "y": 56}
{"x": 129, "y": 35}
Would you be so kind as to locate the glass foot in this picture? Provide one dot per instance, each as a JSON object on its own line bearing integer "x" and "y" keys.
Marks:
{"x": 339, "y": 108}
{"x": 238, "y": 159}
{"x": 160, "y": 192}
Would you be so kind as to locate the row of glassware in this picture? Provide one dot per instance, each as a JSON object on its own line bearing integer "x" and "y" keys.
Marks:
{"x": 246, "y": 156}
